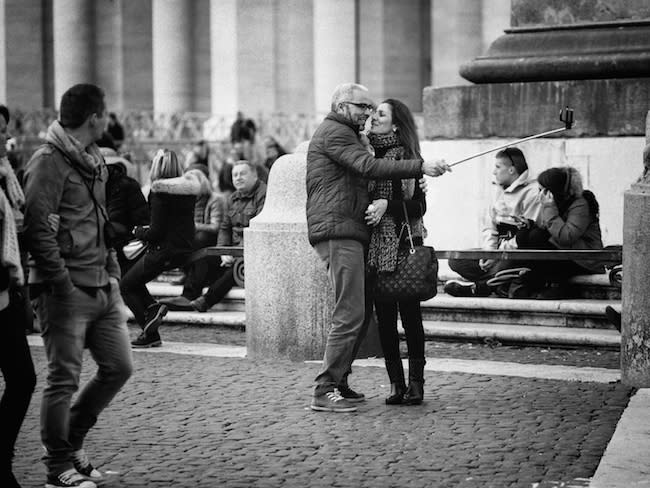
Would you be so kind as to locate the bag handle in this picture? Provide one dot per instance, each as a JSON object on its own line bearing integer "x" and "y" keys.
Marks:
{"x": 408, "y": 229}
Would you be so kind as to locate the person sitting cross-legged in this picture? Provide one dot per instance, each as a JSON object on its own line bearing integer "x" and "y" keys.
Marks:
{"x": 244, "y": 204}
{"x": 516, "y": 206}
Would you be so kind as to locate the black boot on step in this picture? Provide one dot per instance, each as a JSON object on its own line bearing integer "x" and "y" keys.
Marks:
{"x": 415, "y": 391}
{"x": 397, "y": 383}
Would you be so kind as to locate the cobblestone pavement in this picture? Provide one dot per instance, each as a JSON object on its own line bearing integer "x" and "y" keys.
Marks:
{"x": 193, "y": 421}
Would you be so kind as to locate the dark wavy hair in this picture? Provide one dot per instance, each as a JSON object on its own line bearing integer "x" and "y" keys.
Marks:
{"x": 407, "y": 131}
{"x": 4, "y": 111}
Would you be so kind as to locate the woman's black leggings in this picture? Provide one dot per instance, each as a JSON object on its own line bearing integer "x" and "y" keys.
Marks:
{"x": 411, "y": 321}
{"x": 19, "y": 376}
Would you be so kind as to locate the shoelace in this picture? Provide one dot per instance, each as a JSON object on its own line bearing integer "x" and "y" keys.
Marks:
{"x": 81, "y": 458}
{"x": 334, "y": 396}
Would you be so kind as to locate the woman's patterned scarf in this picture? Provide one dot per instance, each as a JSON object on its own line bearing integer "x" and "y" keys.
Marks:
{"x": 384, "y": 238}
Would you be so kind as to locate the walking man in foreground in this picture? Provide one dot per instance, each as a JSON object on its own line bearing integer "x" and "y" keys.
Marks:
{"x": 80, "y": 303}
{"x": 338, "y": 169}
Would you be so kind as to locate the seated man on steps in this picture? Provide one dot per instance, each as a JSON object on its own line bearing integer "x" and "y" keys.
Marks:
{"x": 516, "y": 205}
{"x": 244, "y": 204}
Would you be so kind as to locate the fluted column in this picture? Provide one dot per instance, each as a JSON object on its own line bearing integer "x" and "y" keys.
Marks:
{"x": 334, "y": 55}
{"x": 74, "y": 44}
{"x": 172, "y": 55}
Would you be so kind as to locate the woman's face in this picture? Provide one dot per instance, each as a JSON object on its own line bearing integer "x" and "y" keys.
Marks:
{"x": 382, "y": 119}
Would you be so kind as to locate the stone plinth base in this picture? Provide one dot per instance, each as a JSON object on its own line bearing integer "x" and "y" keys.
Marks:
{"x": 635, "y": 339}
{"x": 288, "y": 298}
{"x": 602, "y": 108}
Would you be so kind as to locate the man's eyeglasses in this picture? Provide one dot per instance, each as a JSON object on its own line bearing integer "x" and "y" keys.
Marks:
{"x": 362, "y": 106}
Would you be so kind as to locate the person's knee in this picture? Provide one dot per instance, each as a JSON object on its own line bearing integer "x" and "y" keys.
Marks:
{"x": 117, "y": 373}
{"x": 455, "y": 265}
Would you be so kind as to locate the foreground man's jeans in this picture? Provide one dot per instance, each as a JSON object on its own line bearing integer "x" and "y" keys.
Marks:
{"x": 70, "y": 322}
{"x": 345, "y": 260}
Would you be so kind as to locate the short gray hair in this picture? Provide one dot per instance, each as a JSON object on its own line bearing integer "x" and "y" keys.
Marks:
{"x": 345, "y": 92}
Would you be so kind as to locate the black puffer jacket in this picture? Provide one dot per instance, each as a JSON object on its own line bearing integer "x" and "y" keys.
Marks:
{"x": 338, "y": 167}
{"x": 171, "y": 204}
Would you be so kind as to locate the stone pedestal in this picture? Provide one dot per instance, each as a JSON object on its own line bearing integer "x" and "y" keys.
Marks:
{"x": 288, "y": 298}
{"x": 635, "y": 336}
{"x": 635, "y": 333}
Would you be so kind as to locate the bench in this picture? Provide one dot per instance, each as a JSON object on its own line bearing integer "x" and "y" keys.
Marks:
{"x": 211, "y": 251}
{"x": 613, "y": 256}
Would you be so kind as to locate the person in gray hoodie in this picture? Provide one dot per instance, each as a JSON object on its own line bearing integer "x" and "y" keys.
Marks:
{"x": 79, "y": 302}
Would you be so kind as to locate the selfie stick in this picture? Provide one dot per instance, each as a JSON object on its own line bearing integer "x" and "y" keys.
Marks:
{"x": 566, "y": 116}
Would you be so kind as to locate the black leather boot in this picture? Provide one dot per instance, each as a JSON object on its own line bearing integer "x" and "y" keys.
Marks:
{"x": 397, "y": 384}
{"x": 415, "y": 391}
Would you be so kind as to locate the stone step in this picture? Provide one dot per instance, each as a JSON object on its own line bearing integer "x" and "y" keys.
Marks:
{"x": 548, "y": 322}
{"x": 444, "y": 330}
{"x": 578, "y": 313}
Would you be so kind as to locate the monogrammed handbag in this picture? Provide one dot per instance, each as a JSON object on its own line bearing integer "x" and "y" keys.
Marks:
{"x": 415, "y": 276}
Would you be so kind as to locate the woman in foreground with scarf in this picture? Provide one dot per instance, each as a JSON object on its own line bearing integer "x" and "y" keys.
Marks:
{"x": 393, "y": 135}
{"x": 15, "y": 359}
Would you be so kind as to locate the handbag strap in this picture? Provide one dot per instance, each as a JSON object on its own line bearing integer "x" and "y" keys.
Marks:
{"x": 407, "y": 225}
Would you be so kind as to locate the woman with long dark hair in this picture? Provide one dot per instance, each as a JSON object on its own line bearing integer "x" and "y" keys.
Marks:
{"x": 393, "y": 135}
{"x": 15, "y": 359}
{"x": 569, "y": 219}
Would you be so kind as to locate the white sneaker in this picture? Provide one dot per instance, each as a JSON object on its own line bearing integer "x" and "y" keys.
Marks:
{"x": 69, "y": 479}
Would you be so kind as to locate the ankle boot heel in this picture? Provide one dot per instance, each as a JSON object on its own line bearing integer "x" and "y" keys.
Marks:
{"x": 414, "y": 393}
{"x": 396, "y": 396}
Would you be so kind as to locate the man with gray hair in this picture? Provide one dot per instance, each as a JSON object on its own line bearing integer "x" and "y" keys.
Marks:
{"x": 338, "y": 169}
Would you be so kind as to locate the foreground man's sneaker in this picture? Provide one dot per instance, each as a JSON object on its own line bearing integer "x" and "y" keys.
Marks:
{"x": 350, "y": 395}
{"x": 67, "y": 479}
{"x": 457, "y": 288}
{"x": 82, "y": 464}
{"x": 331, "y": 402}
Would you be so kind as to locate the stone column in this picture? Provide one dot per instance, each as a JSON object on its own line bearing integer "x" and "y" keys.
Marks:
{"x": 108, "y": 40}
{"x": 137, "y": 69}
{"x": 223, "y": 54}
{"x": 74, "y": 44}
{"x": 394, "y": 49}
{"x": 334, "y": 56}
{"x": 21, "y": 55}
{"x": 256, "y": 26}
{"x": 635, "y": 334}
{"x": 294, "y": 56}
{"x": 172, "y": 55}
{"x": 454, "y": 39}
{"x": 289, "y": 301}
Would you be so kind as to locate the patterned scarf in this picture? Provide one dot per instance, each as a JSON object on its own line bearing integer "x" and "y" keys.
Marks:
{"x": 384, "y": 238}
{"x": 9, "y": 251}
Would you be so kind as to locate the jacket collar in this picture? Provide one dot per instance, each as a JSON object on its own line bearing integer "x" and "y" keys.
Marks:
{"x": 519, "y": 182}
{"x": 241, "y": 195}
{"x": 342, "y": 120}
